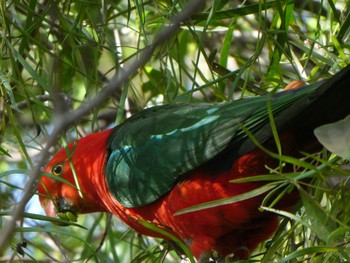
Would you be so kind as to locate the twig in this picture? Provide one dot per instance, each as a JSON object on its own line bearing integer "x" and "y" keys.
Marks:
{"x": 104, "y": 235}
{"x": 66, "y": 119}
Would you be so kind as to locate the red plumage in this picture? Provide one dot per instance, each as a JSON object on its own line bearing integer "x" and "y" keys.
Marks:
{"x": 240, "y": 225}
{"x": 237, "y": 227}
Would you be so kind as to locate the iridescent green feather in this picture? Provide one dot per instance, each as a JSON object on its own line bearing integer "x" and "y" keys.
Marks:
{"x": 157, "y": 147}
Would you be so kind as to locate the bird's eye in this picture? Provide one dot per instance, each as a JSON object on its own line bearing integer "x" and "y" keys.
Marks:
{"x": 57, "y": 169}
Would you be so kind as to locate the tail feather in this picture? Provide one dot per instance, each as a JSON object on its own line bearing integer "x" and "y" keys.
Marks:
{"x": 333, "y": 104}
{"x": 315, "y": 105}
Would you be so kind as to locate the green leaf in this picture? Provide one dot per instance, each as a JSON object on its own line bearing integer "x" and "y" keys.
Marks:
{"x": 165, "y": 233}
{"x": 336, "y": 137}
{"x": 318, "y": 216}
{"x": 306, "y": 252}
{"x": 229, "y": 200}
{"x": 4, "y": 82}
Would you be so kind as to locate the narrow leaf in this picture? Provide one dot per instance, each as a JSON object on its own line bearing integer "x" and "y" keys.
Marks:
{"x": 229, "y": 200}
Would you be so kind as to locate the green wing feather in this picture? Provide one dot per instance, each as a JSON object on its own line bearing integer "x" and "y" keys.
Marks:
{"x": 154, "y": 149}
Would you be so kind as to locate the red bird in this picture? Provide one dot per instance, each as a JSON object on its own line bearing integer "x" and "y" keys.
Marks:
{"x": 168, "y": 158}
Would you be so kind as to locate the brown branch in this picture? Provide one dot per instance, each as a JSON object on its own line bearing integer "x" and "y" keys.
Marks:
{"x": 64, "y": 120}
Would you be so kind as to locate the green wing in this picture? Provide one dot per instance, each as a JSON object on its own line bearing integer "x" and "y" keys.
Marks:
{"x": 154, "y": 149}
{"x": 151, "y": 151}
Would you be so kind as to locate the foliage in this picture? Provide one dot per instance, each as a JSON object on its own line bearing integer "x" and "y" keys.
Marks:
{"x": 58, "y": 56}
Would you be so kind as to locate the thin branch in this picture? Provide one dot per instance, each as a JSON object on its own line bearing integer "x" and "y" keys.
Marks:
{"x": 63, "y": 121}
{"x": 103, "y": 238}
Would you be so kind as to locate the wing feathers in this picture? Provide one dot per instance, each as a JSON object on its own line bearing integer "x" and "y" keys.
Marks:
{"x": 154, "y": 149}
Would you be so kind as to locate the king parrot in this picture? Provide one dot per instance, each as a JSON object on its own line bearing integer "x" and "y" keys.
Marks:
{"x": 171, "y": 157}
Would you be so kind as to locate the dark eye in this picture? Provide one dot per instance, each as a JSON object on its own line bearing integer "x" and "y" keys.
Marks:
{"x": 57, "y": 169}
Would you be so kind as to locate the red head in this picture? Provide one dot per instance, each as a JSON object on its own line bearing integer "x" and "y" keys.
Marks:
{"x": 59, "y": 194}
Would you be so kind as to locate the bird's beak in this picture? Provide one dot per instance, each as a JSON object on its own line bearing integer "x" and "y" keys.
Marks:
{"x": 61, "y": 209}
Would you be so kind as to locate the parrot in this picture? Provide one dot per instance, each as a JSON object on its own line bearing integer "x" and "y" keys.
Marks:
{"x": 172, "y": 157}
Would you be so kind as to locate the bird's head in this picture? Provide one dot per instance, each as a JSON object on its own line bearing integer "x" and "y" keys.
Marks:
{"x": 73, "y": 179}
